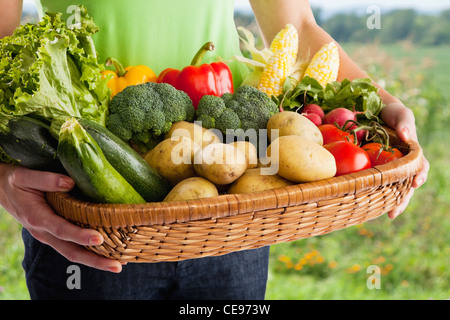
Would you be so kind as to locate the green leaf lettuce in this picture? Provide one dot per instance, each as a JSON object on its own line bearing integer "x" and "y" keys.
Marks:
{"x": 359, "y": 95}
{"x": 50, "y": 70}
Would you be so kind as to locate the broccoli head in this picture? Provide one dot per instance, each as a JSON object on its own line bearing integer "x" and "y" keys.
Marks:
{"x": 247, "y": 108}
{"x": 143, "y": 113}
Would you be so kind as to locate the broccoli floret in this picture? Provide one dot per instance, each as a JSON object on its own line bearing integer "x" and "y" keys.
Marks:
{"x": 116, "y": 126}
{"x": 143, "y": 113}
{"x": 227, "y": 97}
{"x": 175, "y": 109}
{"x": 206, "y": 121}
{"x": 228, "y": 120}
{"x": 211, "y": 105}
{"x": 247, "y": 108}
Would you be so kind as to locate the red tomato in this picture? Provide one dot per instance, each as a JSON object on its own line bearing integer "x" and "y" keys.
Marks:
{"x": 378, "y": 155}
{"x": 331, "y": 133}
{"x": 349, "y": 157}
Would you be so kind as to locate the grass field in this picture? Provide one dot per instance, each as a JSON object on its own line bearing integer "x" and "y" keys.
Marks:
{"x": 412, "y": 252}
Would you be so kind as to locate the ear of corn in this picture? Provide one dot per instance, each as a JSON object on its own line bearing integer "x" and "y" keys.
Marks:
{"x": 285, "y": 49}
{"x": 286, "y": 40}
{"x": 271, "y": 67}
{"x": 275, "y": 73}
{"x": 260, "y": 57}
{"x": 324, "y": 66}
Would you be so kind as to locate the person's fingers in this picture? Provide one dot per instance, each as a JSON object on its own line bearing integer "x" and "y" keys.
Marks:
{"x": 401, "y": 119}
{"x": 37, "y": 214}
{"x": 422, "y": 175}
{"x": 25, "y": 200}
{"x": 40, "y": 180}
{"x": 405, "y": 129}
{"x": 78, "y": 254}
{"x": 394, "y": 213}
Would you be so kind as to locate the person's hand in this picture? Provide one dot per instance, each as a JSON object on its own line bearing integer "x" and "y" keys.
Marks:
{"x": 401, "y": 118}
{"x": 22, "y": 194}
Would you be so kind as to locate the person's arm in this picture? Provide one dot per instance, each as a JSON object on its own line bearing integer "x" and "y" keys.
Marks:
{"x": 273, "y": 15}
{"x": 10, "y": 15}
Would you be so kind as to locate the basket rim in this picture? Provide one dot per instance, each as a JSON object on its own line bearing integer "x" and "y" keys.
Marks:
{"x": 226, "y": 205}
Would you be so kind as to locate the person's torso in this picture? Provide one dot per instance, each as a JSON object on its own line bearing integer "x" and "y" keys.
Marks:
{"x": 159, "y": 34}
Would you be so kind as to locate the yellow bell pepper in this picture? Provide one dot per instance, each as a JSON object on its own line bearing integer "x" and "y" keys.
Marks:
{"x": 124, "y": 77}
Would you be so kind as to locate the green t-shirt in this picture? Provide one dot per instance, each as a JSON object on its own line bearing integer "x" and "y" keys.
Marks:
{"x": 158, "y": 33}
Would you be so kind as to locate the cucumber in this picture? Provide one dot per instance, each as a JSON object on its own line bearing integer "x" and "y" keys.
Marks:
{"x": 29, "y": 142}
{"x": 130, "y": 164}
{"x": 85, "y": 162}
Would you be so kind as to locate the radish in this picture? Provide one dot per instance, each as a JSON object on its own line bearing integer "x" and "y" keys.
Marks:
{"x": 340, "y": 116}
{"x": 313, "y": 117}
{"x": 361, "y": 135}
{"x": 313, "y": 108}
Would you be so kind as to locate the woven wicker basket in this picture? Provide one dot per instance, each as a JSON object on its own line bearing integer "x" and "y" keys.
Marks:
{"x": 175, "y": 231}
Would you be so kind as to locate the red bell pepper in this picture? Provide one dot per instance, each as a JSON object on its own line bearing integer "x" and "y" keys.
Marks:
{"x": 199, "y": 79}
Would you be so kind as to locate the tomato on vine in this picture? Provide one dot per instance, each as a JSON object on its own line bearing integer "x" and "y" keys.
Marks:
{"x": 379, "y": 154}
{"x": 332, "y": 133}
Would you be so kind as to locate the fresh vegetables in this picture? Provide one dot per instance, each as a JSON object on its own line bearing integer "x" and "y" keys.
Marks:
{"x": 59, "y": 108}
{"x": 200, "y": 79}
{"x": 358, "y": 95}
{"x": 51, "y": 71}
{"x": 291, "y": 123}
{"x": 300, "y": 159}
{"x": 284, "y": 48}
{"x": 192, "y": 130}
{"x": 277, "y": 68}
{"x": 253, "y": 181}
{"x": 124, "y": 77}
{"x": 27, "y": 141}
{"x": 192, "y": 188}
{"x": 324, "y": 66}
{"x": 220, "y": 163}
{"x": 340, "y": 116}
{"x": 250, "y": 152}
{"x": 144, "y": 113}
{"x": 314, "y": 113}
{"x": 173, "y": 158}
{"x": 378, "y": 146}
{"x": 380, "y": 154}
{"x": 138, "y": 173}
{"x": 85, "y": 162}
{"x": 349, "y": 157}
{"x": 284, "y": 41}
{"x": 248, "y": 108}
{"x": 332, "y": 133}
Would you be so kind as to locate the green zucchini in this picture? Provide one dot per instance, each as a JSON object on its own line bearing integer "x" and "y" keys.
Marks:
{"x": 144, "y": 179}
{"x": 85, "y": 162}
{"x": 29, "y": 142}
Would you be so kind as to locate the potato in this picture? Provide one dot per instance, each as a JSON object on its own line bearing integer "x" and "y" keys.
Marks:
{"x": 250, "y": 152}
{"x": 193, "y": 131}
{"x": 263, "y": 162}
{"x": 292, "y": 123}
{"x": 173, "y": 158}
{"x": 192, "y": 188}
{"x": 220, "y": 163}
{"x": 252, "y": 181}
{"x": 300, "y": 159}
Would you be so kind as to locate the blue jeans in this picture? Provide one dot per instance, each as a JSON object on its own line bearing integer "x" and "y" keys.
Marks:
{"x": 238, "y": 275}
